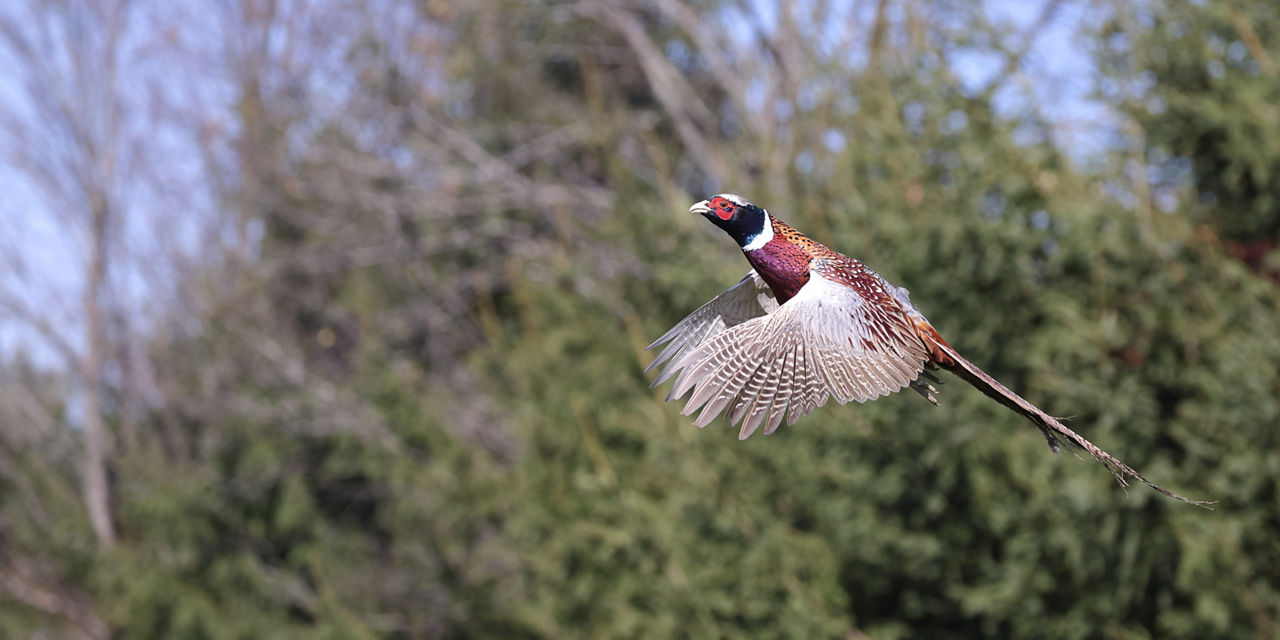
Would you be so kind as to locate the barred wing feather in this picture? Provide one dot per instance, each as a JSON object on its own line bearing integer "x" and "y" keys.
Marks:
{"x": 826, "y": 342}
{"x": 750, "y": 298}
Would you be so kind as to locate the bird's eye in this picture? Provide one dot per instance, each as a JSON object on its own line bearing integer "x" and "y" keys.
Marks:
{"x": 724, "y": 208}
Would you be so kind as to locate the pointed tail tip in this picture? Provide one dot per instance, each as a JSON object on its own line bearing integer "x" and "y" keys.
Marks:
{"x": 1203, "y": 504}
{"x": 1054, "y": 431}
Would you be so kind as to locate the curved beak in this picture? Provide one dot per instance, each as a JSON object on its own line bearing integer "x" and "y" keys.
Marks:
{"x": 701, "y": 208}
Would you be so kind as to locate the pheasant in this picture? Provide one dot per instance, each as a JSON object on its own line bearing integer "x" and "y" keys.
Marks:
{"x": 807, "y": 324}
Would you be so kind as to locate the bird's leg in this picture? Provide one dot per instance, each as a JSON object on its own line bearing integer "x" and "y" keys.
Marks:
{"x": 924, "y": 388}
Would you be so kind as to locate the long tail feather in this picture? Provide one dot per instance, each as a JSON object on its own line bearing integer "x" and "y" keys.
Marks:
{"x": 1048, "y": 425}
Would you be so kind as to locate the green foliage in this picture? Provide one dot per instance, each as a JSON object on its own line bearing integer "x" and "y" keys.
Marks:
{"x": 419, "y": 409}
{"x": 1200, "y": 79}
{"x": 902, "y": 519}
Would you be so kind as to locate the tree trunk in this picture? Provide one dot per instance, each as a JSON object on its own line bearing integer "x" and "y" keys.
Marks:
{"x": 96, "y": 495}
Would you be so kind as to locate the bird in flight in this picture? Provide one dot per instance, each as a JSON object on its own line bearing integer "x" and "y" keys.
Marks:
{"x": 808, "y": 324}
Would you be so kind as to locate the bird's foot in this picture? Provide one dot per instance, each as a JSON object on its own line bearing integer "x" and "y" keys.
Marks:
{"x": 924, "y": 388}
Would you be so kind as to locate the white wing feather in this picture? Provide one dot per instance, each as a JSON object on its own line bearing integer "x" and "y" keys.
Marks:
{"x": 826, "y": 342}
{"x": 748, "y": 299}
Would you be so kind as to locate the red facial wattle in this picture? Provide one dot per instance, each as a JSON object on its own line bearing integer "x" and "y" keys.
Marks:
{"x": 722, "y": 208}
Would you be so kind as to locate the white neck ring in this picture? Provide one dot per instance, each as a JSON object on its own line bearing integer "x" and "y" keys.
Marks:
{"x": 761, "y": 239}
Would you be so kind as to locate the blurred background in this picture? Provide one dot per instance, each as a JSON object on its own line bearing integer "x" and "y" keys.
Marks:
{"x": 324, "y": 318}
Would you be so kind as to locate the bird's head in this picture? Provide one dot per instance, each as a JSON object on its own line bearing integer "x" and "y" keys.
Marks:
{"x": 746, "y": 223}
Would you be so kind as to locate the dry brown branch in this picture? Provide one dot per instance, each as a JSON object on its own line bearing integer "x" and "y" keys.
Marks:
{"x": 27, "y": 584}
{"x": 1026, "y": 40}
{"x": 710, "y": 45}
{"x": 688, "y": 114}
{"x": 1251, "y": 41}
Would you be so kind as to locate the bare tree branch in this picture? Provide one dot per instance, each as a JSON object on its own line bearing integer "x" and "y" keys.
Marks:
{"x": 678, "y": 100}
{"x": 68, "y": 145}
{"x": 34, "y": 588}
{"x": 1013, "y": 57}
{"x": 1249, "y": 36}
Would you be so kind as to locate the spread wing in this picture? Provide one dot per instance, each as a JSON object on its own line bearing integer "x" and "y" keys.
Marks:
{"x": 835, "y": 339}
{"x": 748, "y": 299}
